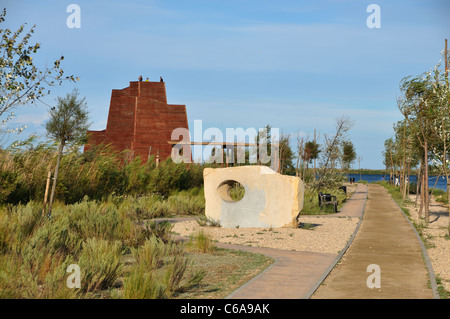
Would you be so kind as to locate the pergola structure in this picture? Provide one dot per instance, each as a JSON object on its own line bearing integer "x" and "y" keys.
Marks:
{"x": 225, "y": 146}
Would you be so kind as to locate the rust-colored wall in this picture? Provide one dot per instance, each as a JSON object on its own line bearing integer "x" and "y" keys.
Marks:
{"x": 139, "y": 117}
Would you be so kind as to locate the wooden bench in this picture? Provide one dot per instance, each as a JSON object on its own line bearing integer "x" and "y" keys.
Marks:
{"x": 327, "y": 199}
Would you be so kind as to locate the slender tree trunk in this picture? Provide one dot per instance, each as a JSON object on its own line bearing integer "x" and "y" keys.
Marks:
{"x": 403, "y": 179}
{"x": 408, "y": 172}
{"x": 55, "y": 176}
{"x": 448, "y": 200}
{"x": 300, "y": 152}
{"x": 435, "y": 183}
{"x": 305, "y": 169}
{"x": 419, "y": 182}
{"x": 422, "y": 192}
{"x": 422, "y": 195}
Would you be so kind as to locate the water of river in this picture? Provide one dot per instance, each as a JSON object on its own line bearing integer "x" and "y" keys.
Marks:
{"x": 441, "y": 183}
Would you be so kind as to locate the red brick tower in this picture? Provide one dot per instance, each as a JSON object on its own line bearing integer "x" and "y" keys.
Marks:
{"x": 139, "y": 118}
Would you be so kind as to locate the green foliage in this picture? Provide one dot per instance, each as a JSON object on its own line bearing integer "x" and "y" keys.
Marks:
{"x": 394, "y": 191}
{"x": 69, "y": 119}
{"x": 159, "y": 272}
{"x": 348, "y": 154}
{"x": 237, "y": 191}
{"x": 35, "y": 252}
{"x": 100, "y": 264}
{"x": 21, "y": 81}
{"x": 202, "y": 220}
{"x": 311, "y": 200}
{"x": 440, "y": 196}
{"x": 327, "y": 175}
{"x": 98, "y": 174}
{"x": 142, "y": 284}
{"x": 311, "y": 151}
{"x": 201, "y": 242}
{"x": 8, "y": 180}
{"x": 160, "y": 230}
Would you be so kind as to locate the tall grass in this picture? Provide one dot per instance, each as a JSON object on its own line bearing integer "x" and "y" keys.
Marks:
{"x": 35, "y": 251}
{"x": 97, "y": 174}
{"x": 100, "y": 264}
{"x": 161, "y": 271}
{"x": 201, "y": 242}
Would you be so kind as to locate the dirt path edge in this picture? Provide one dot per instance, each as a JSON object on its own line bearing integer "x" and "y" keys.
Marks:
{"x": 431, "y": 274}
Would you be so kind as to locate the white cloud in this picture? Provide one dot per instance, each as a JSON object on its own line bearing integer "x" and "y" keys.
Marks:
{"x": 35, "y": 119}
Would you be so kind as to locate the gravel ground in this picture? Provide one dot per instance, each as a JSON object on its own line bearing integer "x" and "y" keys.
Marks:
{"x": 327, "y": 234}
{"x": 437, "y": 228}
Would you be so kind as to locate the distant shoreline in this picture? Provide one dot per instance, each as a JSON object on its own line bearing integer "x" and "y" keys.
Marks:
{"x": 383, "y": 172}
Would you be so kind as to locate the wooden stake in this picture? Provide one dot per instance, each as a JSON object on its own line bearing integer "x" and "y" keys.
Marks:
{"x": 157, "y": 158}
{"x": 49, "y": 176}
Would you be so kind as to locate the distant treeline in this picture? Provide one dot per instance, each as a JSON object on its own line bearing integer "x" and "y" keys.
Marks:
{"x": 385, "y": 172}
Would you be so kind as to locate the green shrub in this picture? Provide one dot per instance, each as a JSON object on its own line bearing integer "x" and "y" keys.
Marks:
{"x": 201, "y": 242}
{"x": 51, "y": 239}
{"x": 311, "y": 201}
{"x": 183, "y": 204}
{"x": 440, "y": 195}
{"x": 202, "y": 220}
{"x": 159, "y": 272}
{"x": 8, "y": 182}
{"x": 97, "y": 174}
{"x": 151, "y": 254}
{"x": 142, "y": 284}
{"x": 100, "y": 264}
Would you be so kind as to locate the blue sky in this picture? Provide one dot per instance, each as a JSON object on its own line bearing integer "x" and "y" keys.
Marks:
{"x": 296, "y": 65}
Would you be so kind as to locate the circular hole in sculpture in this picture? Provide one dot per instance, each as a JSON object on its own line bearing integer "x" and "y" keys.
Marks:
{"x": 231, "y": 191}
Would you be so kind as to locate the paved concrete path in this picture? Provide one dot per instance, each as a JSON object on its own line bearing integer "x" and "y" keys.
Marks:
{"x": 291, "y": 276}
{"x": 387, "y": 239}
{"x": 383, "y": 237}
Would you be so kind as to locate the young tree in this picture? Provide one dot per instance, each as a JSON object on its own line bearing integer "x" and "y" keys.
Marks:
{"x": 328, "y": 175}
{"x": 286, "y": 155}
{"x": 311, "y": 152}
{"x": 300, "y": 151}
{"x": 439, "y": 104}
{"x": 348, "y": 154}
{"x": 68, "y": 124}
{"x": 22, "y": 82}
{"x": 419, "y": 116}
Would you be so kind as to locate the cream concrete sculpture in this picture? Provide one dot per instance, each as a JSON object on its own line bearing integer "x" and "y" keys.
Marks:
{"x": 270, "y": 199}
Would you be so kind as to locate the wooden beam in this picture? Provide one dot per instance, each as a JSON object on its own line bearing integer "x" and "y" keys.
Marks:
{"x": 223, "y": 144}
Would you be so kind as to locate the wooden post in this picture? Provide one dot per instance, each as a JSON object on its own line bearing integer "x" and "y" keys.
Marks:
{"x": 224, "y": 154}
{"x": 157, "y": 158}
{"x": 49, "y": 176}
